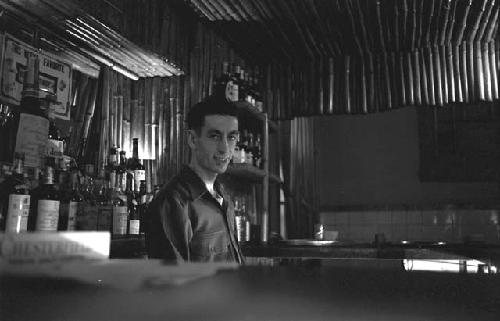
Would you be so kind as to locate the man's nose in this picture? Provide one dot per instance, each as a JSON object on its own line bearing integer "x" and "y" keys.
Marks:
{"x": 223, "y": 146}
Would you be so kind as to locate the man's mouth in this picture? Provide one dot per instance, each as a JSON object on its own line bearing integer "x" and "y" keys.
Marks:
{"x": 222, "y": 159}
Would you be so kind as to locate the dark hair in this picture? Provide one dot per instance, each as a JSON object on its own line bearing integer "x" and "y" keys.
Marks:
{"x": 212, "y": 105}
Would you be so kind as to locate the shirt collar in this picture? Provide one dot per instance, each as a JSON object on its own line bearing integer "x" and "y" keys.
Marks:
{"x": 196, "y": 185}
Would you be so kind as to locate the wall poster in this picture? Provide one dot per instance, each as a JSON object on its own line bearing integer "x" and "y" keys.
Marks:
{"x": 54, "y": 75}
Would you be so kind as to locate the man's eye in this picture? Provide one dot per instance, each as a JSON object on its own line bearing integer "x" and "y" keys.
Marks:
{"x": 214, "y": 137}
{"x": 233, "y": 138}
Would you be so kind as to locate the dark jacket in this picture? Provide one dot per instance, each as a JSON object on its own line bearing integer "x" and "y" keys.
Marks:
{"x": 186, "y": 223}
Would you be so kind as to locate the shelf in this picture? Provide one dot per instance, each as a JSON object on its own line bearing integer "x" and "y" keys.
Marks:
{"x": 250, "y": 114}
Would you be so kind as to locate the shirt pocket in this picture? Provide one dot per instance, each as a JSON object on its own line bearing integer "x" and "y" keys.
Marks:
{"x": 209, "y": 247}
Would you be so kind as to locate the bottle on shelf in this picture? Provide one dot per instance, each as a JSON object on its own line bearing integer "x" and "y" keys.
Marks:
{"x": 242, "y": 223}
{"x": 44, "y": 209}
{"x": 242, "y": 86}
{"x": 135, "y": 166}
{"x": 121, "y": 170}
{"x": 119, "y": 207}
{"x": 249, "y": 149}
{"x": 55, "y": 143}
{"x": 33, "y": 124}
{"x": 243, "y": 145}
{"x": 257, "y": 151}
{"x": 142, "y": 204}
{"x": 112, "y": 166}
{"x": 134, "y": 222}
{"x": 235, "y": 85}
{"x": 224, "y": 84}
{"x": 104, "y": 207}
{"x": 16, "y": 204}
{"x": 87, "y": 221}
{"x": 71, "y": 205}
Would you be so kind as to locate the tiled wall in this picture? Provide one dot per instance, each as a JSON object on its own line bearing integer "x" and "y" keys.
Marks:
{"x": 452, "y": 225}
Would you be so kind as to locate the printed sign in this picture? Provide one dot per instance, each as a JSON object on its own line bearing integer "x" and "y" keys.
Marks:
{"x": 54, "y": 75}
{"x": 27, "y": 249}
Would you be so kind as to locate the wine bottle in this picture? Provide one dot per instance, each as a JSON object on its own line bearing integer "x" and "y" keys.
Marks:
{"x": 71, "y": 205}
{"x": 18, "y": 204}
{"x": 33, "y": 125}
{"x": 135, "y": 167}
{"x": 104, "y": 206}
{"x": 87, "y": 221}
{"x": 44, "y": 210}
{"x": 120, "y": 208}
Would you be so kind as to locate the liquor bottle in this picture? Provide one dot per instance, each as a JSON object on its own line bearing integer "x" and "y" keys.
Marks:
{"x": 235, "y": 86}
{"x": 55, "y": 143}
{"x": 119, "y": 208}
{"x": 87, "y": 221}
{"x": 257, "y": 151}
{"x": 44, "y": 210}
{"x": 242, "y": 86}
{"x": 134, "y": 222}
{"x": 71, "y": 205}
{"x": 243, "y": 146}
{"x": 121, "y": 170}
{"x": 135, "y": 166}
{"x": 249, "y": 149}
{"x": 137, "y": 222}
{"x": 33, "y": 125}
{"x": 104, "y": 206}
{"x": 17, "y": 206}
{"x": 224, "y": 84}
{"x": 112, "y": 166}
{"x": 242, "y": 222}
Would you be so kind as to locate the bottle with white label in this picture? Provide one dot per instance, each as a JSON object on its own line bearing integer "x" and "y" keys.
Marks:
{"x": 18, "y": 204}
{"x": 135, "y": 166}
{"x": 33, "y": 125}
{"x": 44, "y": 213}
{"x": 120, "y": 209}
{"x": 71, "y": 205}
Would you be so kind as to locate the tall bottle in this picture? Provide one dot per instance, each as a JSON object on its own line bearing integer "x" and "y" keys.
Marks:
{"x": 112, "y": 167}
{"x": 71, "y": 205}
{"x": 44, "y": 210}
{"x": 135, "y": 166}
{"x": 224, "y": 84}
{"x": 235, "y": 83}
{"x": 33, "y": 126}
{"x": 17, "y": 206}
{"x": 120, "y": 208}
{"x": 121, "y": 171}
{"x": 87, "y": 221}
{"x": 55, "y": 144}
{"x": 137, "y": 205}
{"x": 104, "y": 206}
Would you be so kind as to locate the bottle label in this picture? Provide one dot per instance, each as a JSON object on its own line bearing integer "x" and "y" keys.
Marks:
{"x": 120, "y": 216}
{"x": 17, "y": 214}
{"x": 55, "y": 147}
{"x": 104, "y": 218}
{"x": 139, "y": 175}
{"x": 31, "y": 138}
{"x": 87, "y": 221}
{"x": 134, "y": 226}
{"x": 48, "y": 215}
{"x": 72, "y": 215}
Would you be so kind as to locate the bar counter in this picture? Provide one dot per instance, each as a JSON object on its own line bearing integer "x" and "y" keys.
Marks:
{"x": 294, "y": 292}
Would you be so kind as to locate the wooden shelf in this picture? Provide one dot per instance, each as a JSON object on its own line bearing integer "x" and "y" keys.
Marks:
{"x": 249, "y": 113}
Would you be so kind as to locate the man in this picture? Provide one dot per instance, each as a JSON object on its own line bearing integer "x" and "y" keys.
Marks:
{"x": 191, "y": 218}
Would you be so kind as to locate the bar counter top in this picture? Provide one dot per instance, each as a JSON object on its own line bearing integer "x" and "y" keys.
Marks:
{"x": 294, "y": 292}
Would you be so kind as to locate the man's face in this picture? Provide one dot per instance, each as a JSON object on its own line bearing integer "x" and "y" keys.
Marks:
{"x": 214, "y": 147}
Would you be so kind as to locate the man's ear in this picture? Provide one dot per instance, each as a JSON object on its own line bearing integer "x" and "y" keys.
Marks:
{"x": 191, "y": 138}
